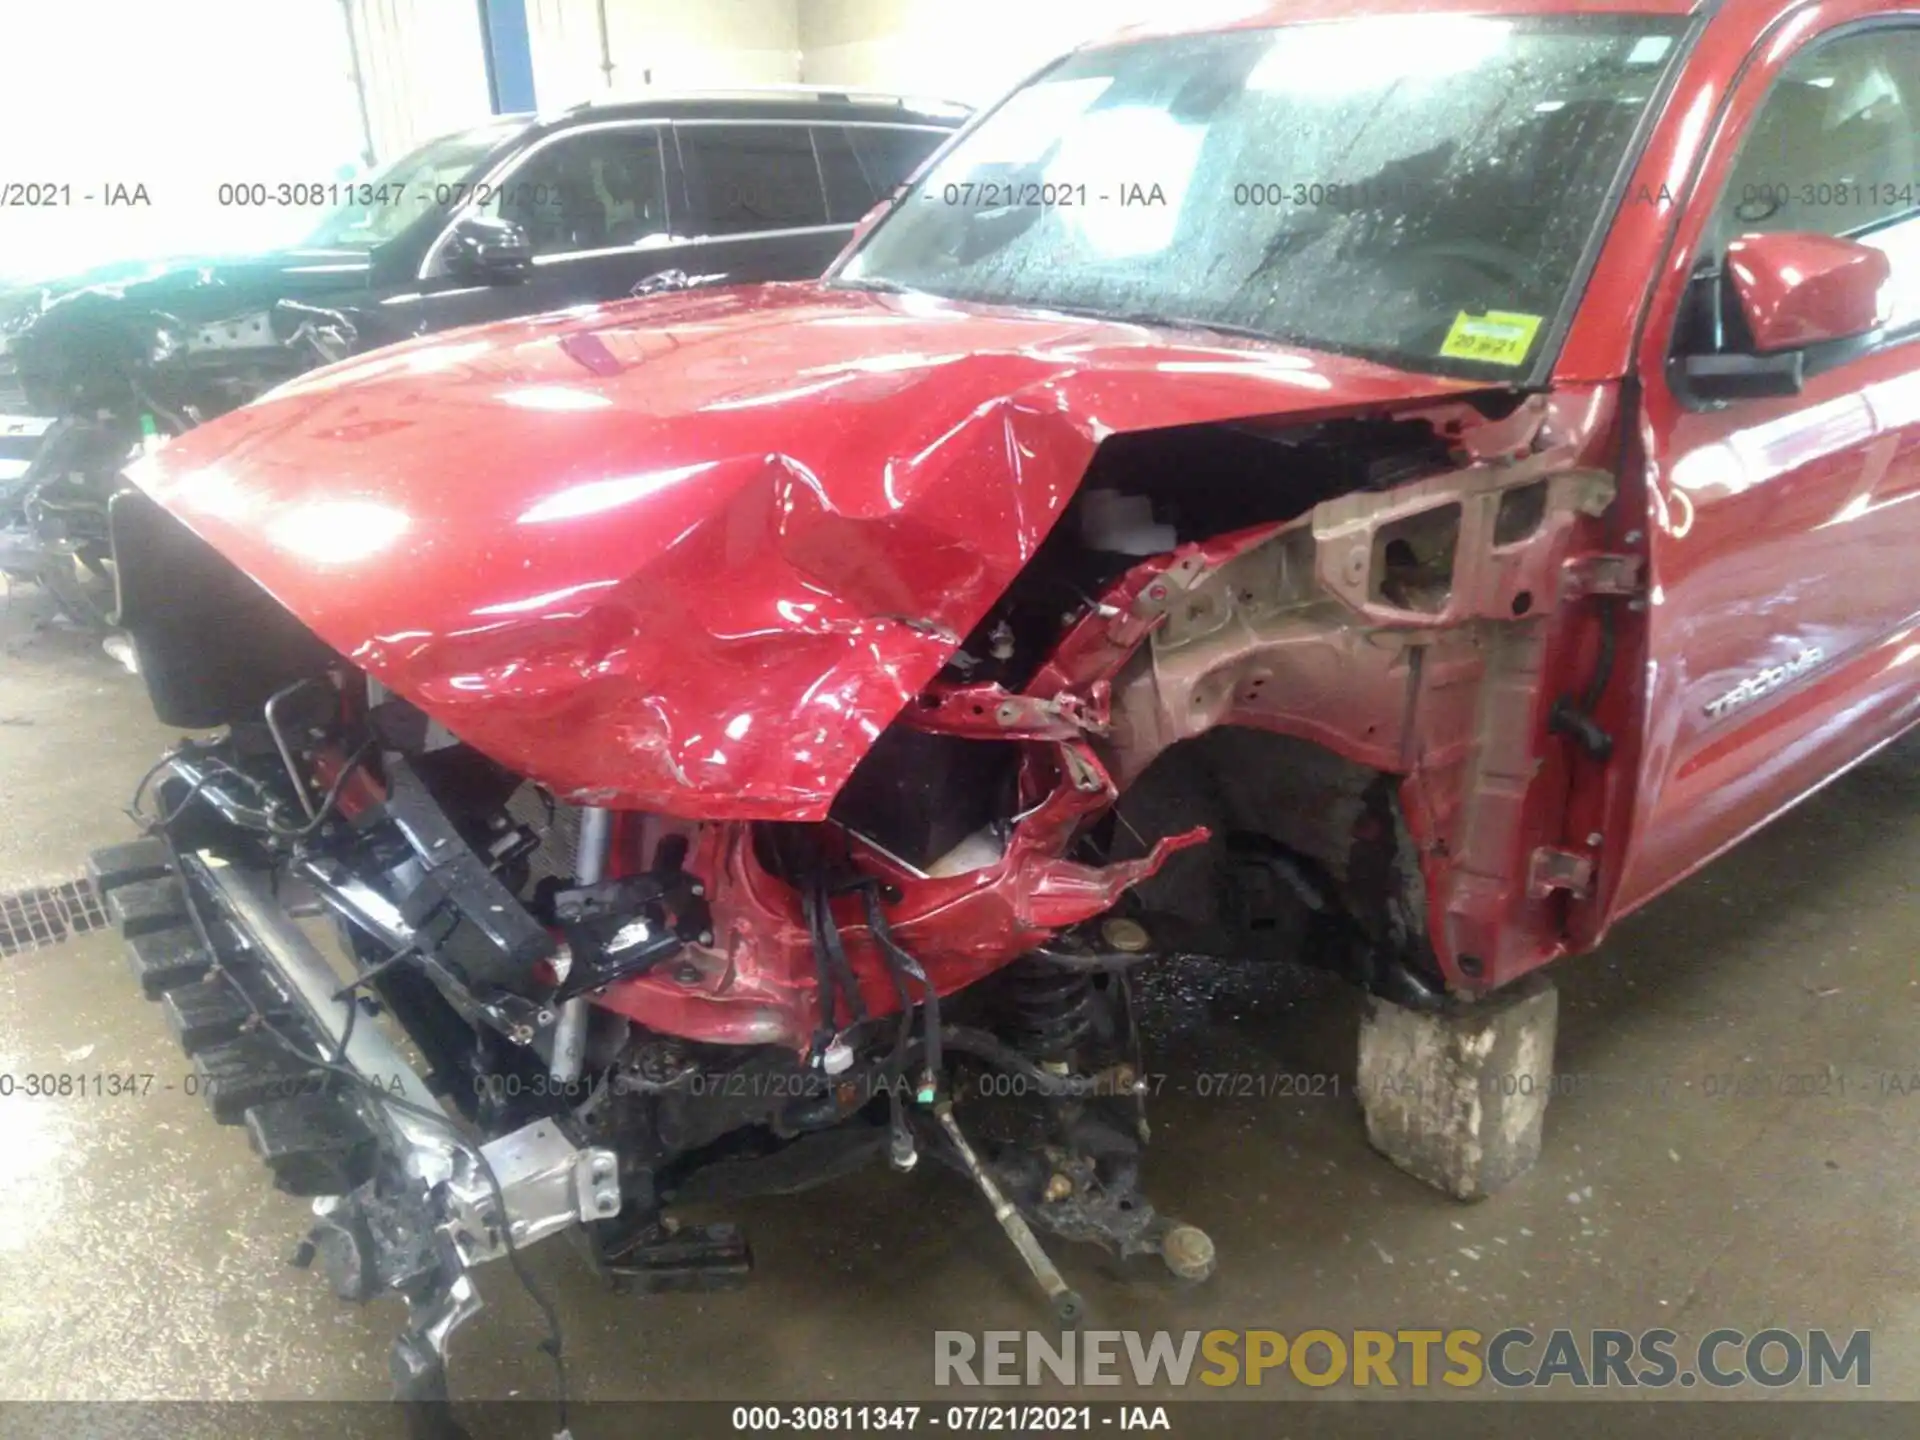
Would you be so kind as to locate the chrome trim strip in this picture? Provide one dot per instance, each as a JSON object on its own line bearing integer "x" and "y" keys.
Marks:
{"x": 845, "y": 124}
{"x": 852, "y": 94}
{"x": 645, "y": 248}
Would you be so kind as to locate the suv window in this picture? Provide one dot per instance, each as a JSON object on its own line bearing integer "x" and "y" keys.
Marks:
{"x": 595, "y": 190}
{"x": 861, "y": 164}
{"x": 1832, "y": 149}
{"x": 742, "y": 178}
{"x": 889, "y": 154}
{"x": 849, "y": 193}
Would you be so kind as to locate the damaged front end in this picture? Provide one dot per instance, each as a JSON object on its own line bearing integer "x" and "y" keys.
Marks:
{"x": 614, "y": 1012}
{"x": 1253, "y": 684}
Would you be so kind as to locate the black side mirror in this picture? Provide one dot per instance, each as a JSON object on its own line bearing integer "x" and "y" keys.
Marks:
{"x": 1744, "y": 377}
{"x": 489, "y": 250}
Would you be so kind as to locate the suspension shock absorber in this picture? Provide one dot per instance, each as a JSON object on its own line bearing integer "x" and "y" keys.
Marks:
{"x": 590, "y": 868}
{"x": 1049, "y": 1010}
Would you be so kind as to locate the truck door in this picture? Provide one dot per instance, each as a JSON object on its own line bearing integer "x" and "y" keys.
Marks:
{"x": 1784, "y": 547}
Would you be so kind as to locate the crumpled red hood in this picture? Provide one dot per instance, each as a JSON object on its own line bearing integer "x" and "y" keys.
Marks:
{"x": 693, "y": 554}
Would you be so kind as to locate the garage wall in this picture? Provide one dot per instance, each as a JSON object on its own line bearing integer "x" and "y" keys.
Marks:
{"x": 660, "y": 45}
{"x": 425, "y": 66}
{"x": 176, "y": 98}
{"x": 970, "y": 51}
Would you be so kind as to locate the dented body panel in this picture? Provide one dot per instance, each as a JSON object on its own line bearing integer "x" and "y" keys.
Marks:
{"x": 694, "y": 555}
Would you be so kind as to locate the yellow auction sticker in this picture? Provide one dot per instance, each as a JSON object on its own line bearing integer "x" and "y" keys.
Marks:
{"x": 1500, "y": 337}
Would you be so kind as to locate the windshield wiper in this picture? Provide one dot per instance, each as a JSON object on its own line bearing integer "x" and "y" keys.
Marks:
{"x": 1170, "y": 322}
{"x": 1127, "y": 317}
{"x": 875, "y": 284}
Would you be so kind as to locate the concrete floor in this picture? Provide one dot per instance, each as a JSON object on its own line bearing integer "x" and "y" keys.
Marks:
{"x": 142, "y": 1253}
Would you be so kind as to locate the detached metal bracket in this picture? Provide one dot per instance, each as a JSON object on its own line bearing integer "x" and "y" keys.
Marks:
{"x": 1549, "y": 870}
{"x": 1601, "y": 574}
{"x": 546, "y": 1182}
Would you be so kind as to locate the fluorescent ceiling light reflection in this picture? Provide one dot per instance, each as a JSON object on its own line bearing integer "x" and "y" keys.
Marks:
{"x": 780, "y": 397}
{"x": 554, "y": 397}
{"x": 1345, "y": 57}
{"x": 1129, "y": 151}
{"x": 596, "y": 497}
{"x": 545, "y": 601}
{"x": 1254, "y": 366}
{"x": 1019, "y": 132}
{"x": 444, "y": 357}
{"x": 338, "y": 532}
{"x": 211, "y": 491}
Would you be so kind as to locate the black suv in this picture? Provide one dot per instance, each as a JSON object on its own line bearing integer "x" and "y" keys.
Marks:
{"x": 521, "y": 215}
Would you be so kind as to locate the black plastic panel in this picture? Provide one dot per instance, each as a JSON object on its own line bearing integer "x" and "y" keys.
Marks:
{"x": 213, "y": 645}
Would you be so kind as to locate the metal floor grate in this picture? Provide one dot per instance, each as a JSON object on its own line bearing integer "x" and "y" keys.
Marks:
{"x": 43, "y": 915}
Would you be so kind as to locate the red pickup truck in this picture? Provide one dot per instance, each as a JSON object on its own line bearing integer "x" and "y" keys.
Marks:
{"x": 1389, "y": 486}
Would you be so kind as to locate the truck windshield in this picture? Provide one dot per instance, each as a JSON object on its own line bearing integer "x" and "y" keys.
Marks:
{"x": 439, "y": 175}
{"x": 1417, "y": 189}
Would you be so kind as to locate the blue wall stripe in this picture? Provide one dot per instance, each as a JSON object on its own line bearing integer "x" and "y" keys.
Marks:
{"x": 503, "y": 25}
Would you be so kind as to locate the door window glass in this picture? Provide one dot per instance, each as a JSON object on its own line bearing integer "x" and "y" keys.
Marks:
{"x": 889, "y": 155}
{"x": 597, "y": 190}
{"x": 862, "y": 164}
{"x": 742, "y": 178}
{"x": 1833, "y": 149}
{"x": 849, "y": 193}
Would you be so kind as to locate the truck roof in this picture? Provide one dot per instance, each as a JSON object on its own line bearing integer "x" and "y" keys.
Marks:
{"x": 1211, "y": 15}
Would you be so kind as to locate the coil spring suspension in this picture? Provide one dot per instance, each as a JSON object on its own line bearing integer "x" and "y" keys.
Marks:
{"x": 1048, "y": 1010}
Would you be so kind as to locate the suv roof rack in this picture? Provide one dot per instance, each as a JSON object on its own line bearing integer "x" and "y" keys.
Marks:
{"x": 798, "y": 92}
